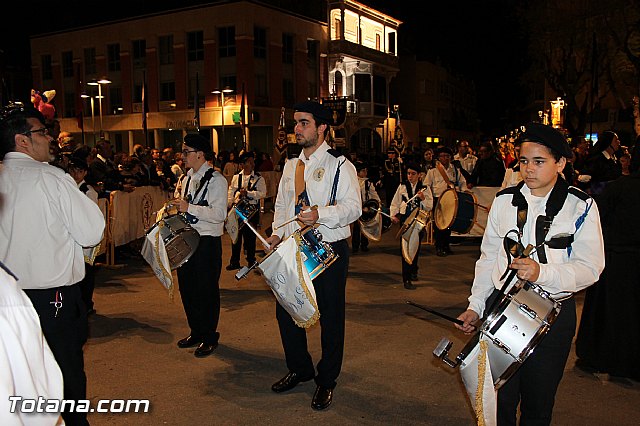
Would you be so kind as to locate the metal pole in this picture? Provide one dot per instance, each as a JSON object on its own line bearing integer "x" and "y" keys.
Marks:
{"x": 222, "y": 100}
{"x": 93, "y": 120}
{"x": 100, "y": 104}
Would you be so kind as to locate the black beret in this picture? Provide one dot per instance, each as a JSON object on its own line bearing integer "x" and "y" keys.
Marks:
{"x": 197, "y": 142}
{"x": 547, "y": 136}
{"x": 444, "y": 150}
{"x": 78, "y": 163}
{"x": 604, "y": 141}
{"x": 321, "y": 113}
{"x": 360, "y": 165}
{"x": 246, "y": 155}
{"x": 413, "y": 166}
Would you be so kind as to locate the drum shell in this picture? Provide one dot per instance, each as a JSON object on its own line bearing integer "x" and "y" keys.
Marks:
{"x": 180, "y": 239}
{"x": 247, "y": 209}
{"x": 456, "y": 210}
{"x": 369, "y": 210}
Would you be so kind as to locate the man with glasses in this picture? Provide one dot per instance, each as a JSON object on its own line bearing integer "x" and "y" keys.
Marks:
{"x": 45, "y": 221}
{"x": 465, "y": 158}
{"x": 202, "y": 198}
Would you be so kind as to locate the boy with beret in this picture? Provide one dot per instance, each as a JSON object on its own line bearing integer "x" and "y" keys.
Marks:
{"x": 541, "y": 206}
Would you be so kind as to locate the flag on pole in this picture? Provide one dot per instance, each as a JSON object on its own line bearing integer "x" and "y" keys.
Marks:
{"x": 145, "y": 107}
{"x": 281, "y": 141}
{"x": 243, "y": 122}
{"x": 196, "y": 104}
{"x": 79, "y": 100}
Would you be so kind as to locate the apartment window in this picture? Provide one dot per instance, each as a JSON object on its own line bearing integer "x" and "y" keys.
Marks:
{"x": 195, "y": 46}
{"x": 137, "y": 93}
{"x": 227, "y": 42}
{"x": 139, "y": 48}
{"x": 391, "y": 45}
{"x": 378, "y": 42}
{"x": 259, "y": 42}
{"x": 168, "y": 91}
{"x": 67, "y": 64}
{"x": 287, "y": 91}
{"x": 165, "y": 47}
{"x": 115, "y": 100}
{"x": 90, "y": 60}
{"x": 69, "y": 104}
{"x": 287, "y": 48}
{"x": 47, "y": 69}
{"x": 261, "y": 94}
{"x": 113, "y": 57}
{"x": 337, "y": 24}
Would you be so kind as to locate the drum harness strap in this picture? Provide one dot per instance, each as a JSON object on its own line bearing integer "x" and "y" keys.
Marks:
{"x": 202, "y": 202}
{"x": 443, "y": 172}
{"x": 415, "y": 202}
{"x": 250, "y": 186}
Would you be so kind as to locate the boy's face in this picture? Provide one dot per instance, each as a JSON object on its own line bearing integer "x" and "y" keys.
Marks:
{"x": 538, "y": 168}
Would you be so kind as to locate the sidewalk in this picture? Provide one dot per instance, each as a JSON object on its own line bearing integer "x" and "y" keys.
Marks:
{"x": 389, "y": 374}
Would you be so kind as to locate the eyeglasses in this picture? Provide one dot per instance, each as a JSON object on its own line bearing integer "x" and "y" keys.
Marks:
{"x": 186, "y": 152}
{"x": 42, "y": 130}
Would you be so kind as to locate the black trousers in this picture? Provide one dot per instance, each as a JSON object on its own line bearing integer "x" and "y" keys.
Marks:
{"x": 442, "y": 237}
{"x": 411, "y": 268}
{"x": 198, "y": 280}
{"x": 87, "y": 285}
{"x": 249, "y": 238}
{"x": 358, "y": 240}
{"x": 66, "y": 333}
{"x": 534, "y": 384}
{"x": 330, "y": 288}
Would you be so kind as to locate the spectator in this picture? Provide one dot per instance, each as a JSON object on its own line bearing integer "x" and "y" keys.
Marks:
{"x": 266, "y": 165}
{"x": 231, "y": 167}
{"x": 489, "y": 169}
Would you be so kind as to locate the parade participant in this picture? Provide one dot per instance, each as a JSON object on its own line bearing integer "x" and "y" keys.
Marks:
{"x": 410, "y": 195}
{"x": 203, "y": 198}
{"x": 466, "y": 158}
{"x": 326, "y": 179}
{"x": 247, "y": 188}
{"x": 534, "y": 211}
{"x": 512, "y": 176}
{"x": 444, "y": 176}
{"x": 367, "y": 192}
{"x": 392, "y": 174}
{"x": 603, "y": 165}
{"x": 44, "y": 223}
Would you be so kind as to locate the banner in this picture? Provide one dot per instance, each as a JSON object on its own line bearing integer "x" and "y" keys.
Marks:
{"x": 476, "y": 375}
{"x": 155, "y": 253}
{"x": 290, "y": 282}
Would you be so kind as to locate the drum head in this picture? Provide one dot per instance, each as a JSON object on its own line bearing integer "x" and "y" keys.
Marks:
{"x": 408, "y": 221}
{"x": 369, "y": 210}
{"x": 446, "y": 209}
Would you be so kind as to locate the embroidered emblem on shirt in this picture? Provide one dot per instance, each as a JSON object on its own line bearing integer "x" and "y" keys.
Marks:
{"x": 318, "y": 174}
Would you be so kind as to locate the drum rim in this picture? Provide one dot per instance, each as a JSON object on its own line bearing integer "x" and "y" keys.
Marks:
{"x": 377, "y": 203}
{"x": 453, "y": 219}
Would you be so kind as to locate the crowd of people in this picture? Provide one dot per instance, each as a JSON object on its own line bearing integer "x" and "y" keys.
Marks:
{"x": 547, "y": 187}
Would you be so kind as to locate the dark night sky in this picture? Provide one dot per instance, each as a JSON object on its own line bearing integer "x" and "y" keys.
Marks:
{"x": 476, "y": 39}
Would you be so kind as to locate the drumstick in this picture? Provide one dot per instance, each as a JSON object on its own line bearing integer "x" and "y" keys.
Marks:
{"x": 315, "y": 207}
{"x": 246, "y": 222}
{"x": 381, "y": 212}
{"x": 447, "y": 317}
{"x": 417, "y": 193}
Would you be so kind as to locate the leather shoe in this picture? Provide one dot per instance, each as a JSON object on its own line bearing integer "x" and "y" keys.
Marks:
{"x": 188, "y": 342}
{"x": 409, "y": 286}
{"x": 322, "y": 398}
{"x": 288, "y": 382}
{"x": 414, "y": 277}
{"x": 205, "y": 349}
{"x": 232, "y": 267}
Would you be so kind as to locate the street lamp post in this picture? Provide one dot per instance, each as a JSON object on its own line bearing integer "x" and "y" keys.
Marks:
{"x": 99, "y": 83}
{"x": 221, "y": 92}
{"x": 93, "y": 117}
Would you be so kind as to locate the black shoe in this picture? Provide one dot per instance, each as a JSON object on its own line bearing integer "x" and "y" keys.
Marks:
{"x": 188, "y": 342}
{"x": 365, "y": 249}
{"x": 448, "y": 250}
{"x": 440, "y": 253}
{"x": 232, "y": 267}
{"x": 288, "y": 382}
{"x": 409, "y": 286}
{"x": 205, "y": 349}
{"x": 414, "y": 276}
{"x": 321, "y": 398}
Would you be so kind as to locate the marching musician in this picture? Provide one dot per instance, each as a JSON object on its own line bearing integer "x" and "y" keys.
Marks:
{"x": 444, "y": 176}
{"x": 410, "y": 195}
{"x": 536, "y": 210}
{"x": 392, "y": 174}
{"x": 319, "y": 176}
{"x": 247, "y": 188}
{"x": 202, "y": 198}
{"x": 367, "y": 191}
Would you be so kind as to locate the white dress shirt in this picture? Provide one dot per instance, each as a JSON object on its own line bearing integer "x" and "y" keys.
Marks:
{"x": 399, "y": 205}
{"x": 211, "y": 217}
{"x": 255, "y": 184}
{"x": 44, "y": 223}
{"x": 468, "y": 162}
{"x": 438, "y": 185}
{"x": 319, "y": 174}
{"x": 564, "y": 274}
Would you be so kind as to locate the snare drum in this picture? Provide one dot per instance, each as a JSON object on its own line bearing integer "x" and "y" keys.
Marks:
{"x": 180, "y": 239}
{"x": 514, "y": 329}
{"x": 456, "y": 210}
{"x": 316, "y": 254}
{"x": 247, "y": 209}
{"x": 370, "y": 210}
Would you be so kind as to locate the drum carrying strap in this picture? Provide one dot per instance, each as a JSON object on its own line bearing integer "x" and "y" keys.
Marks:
{"x": 191, "y": 199}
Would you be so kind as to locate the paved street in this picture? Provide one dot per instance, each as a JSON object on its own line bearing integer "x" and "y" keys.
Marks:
{"x": 389, "y": 374}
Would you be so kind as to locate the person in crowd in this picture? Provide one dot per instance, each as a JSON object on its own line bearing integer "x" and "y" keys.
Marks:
{"x": 246, "y": 190}
{"x": 512, "y": 176}
{"x": 331, "y": 183}
{"x": 165, "y": 171}
{"x": 177, "y": 168}
{"x": 232, "y": 166}
{"x": 367, "y": 192}
{"x": 443, "y": 177}
{"x": 29, "y": 368}
{"x": 392, "y": 175}
{"x": 266, "y": 165}
{"x": 580, "y": 157}
{"x": 635, "y": 156}
{"x": 608, "y": 339}
{"x": 45, "y": 221}
{"x": 603, "y": 165}
{"x": 506, "y": 153}
{"x": 203, "y": 198}
{"x": 560, "y": 269}
{"x": 78, "y": 170}
{"x": 624, "y": 157}
{"x": 428, "y": 162}
{"x": 410, "y": 195}
{"x": 466, "y": 159}
{"x": 489, "y": 169}
{"x": 103, "y": 172}
{"x": 148, "y": 172}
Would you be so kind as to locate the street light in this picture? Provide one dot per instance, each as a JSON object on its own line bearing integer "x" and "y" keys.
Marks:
{"x": 99, "y": 83}
{"x": 93, "y": 117}
{"x": 221, "y": 93}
